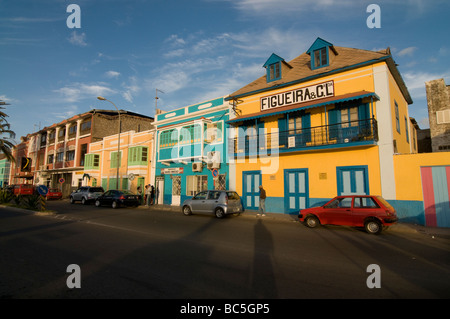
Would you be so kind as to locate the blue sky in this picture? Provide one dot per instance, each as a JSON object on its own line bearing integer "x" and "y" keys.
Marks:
{"x": 193, "y": 50}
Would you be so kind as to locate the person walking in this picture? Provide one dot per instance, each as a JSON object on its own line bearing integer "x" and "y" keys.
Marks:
{"x": 262, "y": 201}
{"x": 152, "y": 195}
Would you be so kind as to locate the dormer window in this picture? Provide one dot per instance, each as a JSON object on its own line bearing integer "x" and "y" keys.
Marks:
{"x": 321, "y": 53}
{"x": 274, "y": 72}
{"x": 273, "y": 68}
{"x": 320, "y": 58}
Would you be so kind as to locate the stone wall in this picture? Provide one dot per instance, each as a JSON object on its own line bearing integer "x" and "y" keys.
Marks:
{"x": 438, "y": 98}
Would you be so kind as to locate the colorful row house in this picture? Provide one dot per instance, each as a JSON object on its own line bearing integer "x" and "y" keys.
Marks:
{"x": 191, "y": 151}
{"x": 123, "y": 162}
{"x": 326, "y": 123}
{"x": 55, "y": 155}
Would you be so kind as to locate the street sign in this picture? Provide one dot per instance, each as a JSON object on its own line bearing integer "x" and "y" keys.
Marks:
{"x": 61, "y": 180}
{"x": 215, "y": 173}
{"x": 42, "y": 190}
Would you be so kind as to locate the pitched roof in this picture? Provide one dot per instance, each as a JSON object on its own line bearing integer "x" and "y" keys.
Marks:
{"x": 347, "y": 58}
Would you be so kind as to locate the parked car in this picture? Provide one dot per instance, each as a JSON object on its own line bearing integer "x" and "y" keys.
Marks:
{"x": 117, "y": 198}
{"x": 86, "y": 194}
{"x": 371, "y": 212}
{"x": 218, "y": 202}
{"x": 53, "y": 193}
{"x": 23, "y": 189}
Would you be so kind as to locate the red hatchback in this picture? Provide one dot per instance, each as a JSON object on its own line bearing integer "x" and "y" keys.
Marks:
{"x": 370, "y": 212}
{"x": 54, "y": 193}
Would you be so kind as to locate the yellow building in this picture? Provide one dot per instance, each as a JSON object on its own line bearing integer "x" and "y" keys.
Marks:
{"x": 326, "y": 123}
{"x": 133, "y": 167}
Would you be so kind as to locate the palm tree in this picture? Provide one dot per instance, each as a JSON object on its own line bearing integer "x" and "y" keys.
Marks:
{"x": 5, "y": 129}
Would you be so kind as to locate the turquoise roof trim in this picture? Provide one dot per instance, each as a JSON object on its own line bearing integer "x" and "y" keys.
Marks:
{"x": 273, "y": 59}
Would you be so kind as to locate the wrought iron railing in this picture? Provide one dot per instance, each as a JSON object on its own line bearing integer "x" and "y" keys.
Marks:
{"x": 251, "y": 143}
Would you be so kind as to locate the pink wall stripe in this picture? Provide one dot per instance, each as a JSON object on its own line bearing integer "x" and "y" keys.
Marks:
{"x": 428, "y": 196}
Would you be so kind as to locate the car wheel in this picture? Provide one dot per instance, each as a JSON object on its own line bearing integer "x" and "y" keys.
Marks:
{"x": 219, "y": 213}
{"x": 72, "y": 200}
{"x": 83, "y": 201}
{"x": 312, "y": 221}
{"x": 373, "y": 226}
{"x": 114, "y": 204}
{"x": 97, "y": 203}
{"x": 187, "y": 211}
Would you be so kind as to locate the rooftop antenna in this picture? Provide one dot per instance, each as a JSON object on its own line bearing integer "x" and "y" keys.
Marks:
{"x": 156, "y": 101}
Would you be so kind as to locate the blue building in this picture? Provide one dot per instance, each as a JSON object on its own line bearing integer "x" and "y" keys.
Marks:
{"x": 5, "y": 166}
{"x": 191, "y": 145}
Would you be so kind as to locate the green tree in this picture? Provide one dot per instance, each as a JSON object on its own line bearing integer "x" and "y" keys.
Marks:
{"x": 6, "y": 144}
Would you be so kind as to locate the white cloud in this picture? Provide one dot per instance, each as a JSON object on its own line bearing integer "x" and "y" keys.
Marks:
{"x": 67, "y": 112}
{"x": 79, "y": 91}
{"x": 112, "y": 74}
{"x": 78, "y": 39}
{"x": 270, "y": 7}
{"x": 407, "y": 51}
{"x": 131, "y": 89}
{"x": 415, "y": 81}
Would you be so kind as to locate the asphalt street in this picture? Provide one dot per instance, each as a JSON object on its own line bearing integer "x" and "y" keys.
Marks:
{"x": 161, "y": 254}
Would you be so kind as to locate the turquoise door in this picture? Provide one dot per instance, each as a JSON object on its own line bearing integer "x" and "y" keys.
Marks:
{"x": 250, "y": 190}
{"x": 296, "y": 195}
{"x": 352, "y": 180}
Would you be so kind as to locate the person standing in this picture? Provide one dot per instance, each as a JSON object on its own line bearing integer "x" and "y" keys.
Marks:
{"x": 139, "y": 191}
{"x": 262, "y": 201}
{"x": 147, "y": 195}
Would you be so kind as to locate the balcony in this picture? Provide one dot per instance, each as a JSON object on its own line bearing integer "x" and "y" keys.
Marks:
{"x": 354, "y": 133}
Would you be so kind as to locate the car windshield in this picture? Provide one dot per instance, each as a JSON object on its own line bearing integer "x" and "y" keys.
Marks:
{"x": 96, "y": 190}
{"x": 385, "y": 203}
{"x": 27, "y": 186}
{"x": 53, "y": 190}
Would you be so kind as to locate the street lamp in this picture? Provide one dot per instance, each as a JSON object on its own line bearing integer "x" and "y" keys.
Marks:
{"x": 118, "y": 142}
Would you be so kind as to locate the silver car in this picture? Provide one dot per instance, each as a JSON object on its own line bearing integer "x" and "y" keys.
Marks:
{"x": 218, "y": 202}
{"x": 86, "y": 194}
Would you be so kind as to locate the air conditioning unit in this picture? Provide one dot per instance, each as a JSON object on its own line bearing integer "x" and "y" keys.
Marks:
{"x": 197, "y": 167}
{"x": 213, "y": 156}
{"x": 213, "y": 159}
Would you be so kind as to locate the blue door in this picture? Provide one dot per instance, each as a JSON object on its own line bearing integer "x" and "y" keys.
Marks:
{"x": 296, "y": 195}
{"x": 352, "y": 180}
{"x": 250, "y": 189}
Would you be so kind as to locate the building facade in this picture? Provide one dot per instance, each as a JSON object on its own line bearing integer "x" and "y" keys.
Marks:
{"x": 438, "y": 100}
{"x": 5, "y": 166}
{"x": 191, "y": 146}
{"x": 56, "y": 153}
{"x": 131, "y": 169}
{"x": 326, "y": 123}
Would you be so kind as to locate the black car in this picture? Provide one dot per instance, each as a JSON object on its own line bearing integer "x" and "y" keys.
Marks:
{"x": 117, "y": 198}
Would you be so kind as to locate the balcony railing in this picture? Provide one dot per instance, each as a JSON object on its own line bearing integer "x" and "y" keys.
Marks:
{"x": 341, "y": 134}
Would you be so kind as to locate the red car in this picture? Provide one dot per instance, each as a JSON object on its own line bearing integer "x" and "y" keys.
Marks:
{"x": 23, "y": 189}
{"x": 371, "y": 212}
{"x": 54, "y": 193}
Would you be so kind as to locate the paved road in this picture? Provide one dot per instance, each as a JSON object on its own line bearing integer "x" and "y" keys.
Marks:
{"x": 138, "y": 253}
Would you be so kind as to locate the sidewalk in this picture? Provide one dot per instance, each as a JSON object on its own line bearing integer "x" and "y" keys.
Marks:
{"x": 440, "y": 232}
